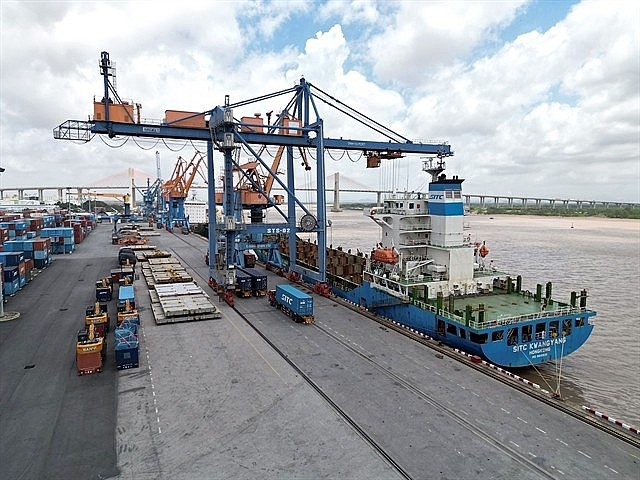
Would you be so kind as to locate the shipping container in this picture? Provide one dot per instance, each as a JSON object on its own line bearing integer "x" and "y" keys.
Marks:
{"x": 298, "y": 305}
{"x": 126, "y": 348}
{"x": 258, "y": 281}
{"x": 118, "y": 112}
{"x": 125, "y": 292}
{"x": 244, "y": 284}
{"x": 90, "y": 352}
{"x": 249, "y": 260}
{"x": 11, "y": 259}
{"x": 255, "y": 124}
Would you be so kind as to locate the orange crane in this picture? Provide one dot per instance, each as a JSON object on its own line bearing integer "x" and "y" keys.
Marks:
{"x": 253, "y": 184}
{"x": 175, "y": 191}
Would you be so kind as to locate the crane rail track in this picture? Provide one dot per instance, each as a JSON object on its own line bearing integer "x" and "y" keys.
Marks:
{"x": 479, "y": 432}
{"x": 334, "y": 406}
{"x": 553, "y": 402}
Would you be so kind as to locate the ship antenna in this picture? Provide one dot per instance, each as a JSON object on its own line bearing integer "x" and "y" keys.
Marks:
{"x": 433, "y": 166}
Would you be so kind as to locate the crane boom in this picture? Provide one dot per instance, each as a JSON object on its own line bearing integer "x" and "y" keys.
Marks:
{"x": 298, "y": 125}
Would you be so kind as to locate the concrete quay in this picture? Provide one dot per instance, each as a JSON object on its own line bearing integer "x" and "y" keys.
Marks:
{"x": 212, "y": 399}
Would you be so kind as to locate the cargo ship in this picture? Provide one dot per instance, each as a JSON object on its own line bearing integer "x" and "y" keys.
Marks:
{"x": 428, "y": 275}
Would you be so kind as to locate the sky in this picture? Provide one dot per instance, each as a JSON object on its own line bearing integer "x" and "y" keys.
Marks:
{"x": 536, "y": 98}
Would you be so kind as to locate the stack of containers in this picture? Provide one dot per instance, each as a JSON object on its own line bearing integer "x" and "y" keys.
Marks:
{"x": 79, "y": 231}
{"x": 14, "y": 271}
{"x": 87, "y": 221}
{"x": 62, "y": 240}
{"x": 49, "y": 221}
{"x": 17, "y": 229}
{"x": 34, "y": 226}
{"x": 38, "y": 250}
{"x": 4, "y": 236}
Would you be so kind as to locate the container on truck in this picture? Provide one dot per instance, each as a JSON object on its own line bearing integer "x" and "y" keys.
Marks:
{"x": 298, "y": 305}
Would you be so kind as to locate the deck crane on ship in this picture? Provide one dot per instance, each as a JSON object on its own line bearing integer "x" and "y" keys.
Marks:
{"x": 298, "y": 125}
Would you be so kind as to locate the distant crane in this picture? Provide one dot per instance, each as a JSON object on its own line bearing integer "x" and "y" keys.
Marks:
{"x": 125, "y": 198}
{"x": 176, "y": 190}
{"x": 253, "y": 184}
{"x": 151, "y": 195}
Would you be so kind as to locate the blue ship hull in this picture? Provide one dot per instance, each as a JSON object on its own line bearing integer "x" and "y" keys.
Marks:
{"x": 493, "y": 347}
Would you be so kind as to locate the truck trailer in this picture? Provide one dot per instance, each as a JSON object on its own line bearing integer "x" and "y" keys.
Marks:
{"x": 298, "y": 305}
{"x": 258, "y": 281}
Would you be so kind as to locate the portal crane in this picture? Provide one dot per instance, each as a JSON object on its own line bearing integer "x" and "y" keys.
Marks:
{"x": 125, "y": 198}
{"x": 151, "y": 195}
{"x": 176, "y": 190}
{"x": 299, "y": 125}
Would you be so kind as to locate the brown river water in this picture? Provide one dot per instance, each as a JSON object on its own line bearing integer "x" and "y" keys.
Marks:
{"x": 599, "y": 254}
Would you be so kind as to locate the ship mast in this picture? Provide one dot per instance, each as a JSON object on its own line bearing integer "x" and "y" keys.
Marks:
{"x": 433, "y": 167}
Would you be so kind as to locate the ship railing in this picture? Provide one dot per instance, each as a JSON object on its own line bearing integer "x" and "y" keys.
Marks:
{"x": 443, "y": 313}
{"x": 413, "y": 243}
{"x": 414, "y": 228}
{"x": 500, "y": 321}
{"x": 505, "y": 320}
{"x": 419, "y": 258}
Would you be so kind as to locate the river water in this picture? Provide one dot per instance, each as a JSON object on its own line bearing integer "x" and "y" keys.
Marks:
{"x": 598, "y": 254}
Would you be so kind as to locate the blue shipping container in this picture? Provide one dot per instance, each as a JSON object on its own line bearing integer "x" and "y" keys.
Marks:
{"x": 11, "y": 259}
{"x": 259, "y": 280}
{"x": 292, "y": 298}
{"x": 125, "y": 292}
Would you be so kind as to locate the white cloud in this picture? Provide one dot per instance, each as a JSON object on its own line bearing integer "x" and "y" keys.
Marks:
{"x": 423, "y": 36}
{"x": 553, "y": 112}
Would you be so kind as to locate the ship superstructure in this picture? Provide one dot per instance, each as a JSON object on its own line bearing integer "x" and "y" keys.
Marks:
{"x": 426, "y": 273}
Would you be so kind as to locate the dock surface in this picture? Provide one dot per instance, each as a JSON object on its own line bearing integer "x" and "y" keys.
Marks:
{"x": 216, "y": 399}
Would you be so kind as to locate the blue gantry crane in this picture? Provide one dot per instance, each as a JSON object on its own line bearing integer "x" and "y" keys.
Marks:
{"x": 152, "y": 200}
{"x": 297, "y": 126}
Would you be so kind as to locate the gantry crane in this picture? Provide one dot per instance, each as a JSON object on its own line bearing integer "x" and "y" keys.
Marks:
{"x": 176, "y": 190}
{"x": 125, "y": 198}
{"x": 299, "y": 125}
{"x": 151, "y": 197}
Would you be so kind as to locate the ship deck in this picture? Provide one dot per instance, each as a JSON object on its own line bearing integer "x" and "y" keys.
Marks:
{"x": 499, "y": 305}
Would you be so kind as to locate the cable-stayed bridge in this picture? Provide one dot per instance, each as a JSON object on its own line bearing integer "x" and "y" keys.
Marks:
{"x": 336, "y": 184}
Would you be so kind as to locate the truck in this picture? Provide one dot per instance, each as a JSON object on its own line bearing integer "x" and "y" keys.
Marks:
{"x": 258, "y": 281}
{"x": 298, "y": 305}
{"x": 104, "y": 289}
{"x": 97, "y": 316}
{"x": 90, "y": 351}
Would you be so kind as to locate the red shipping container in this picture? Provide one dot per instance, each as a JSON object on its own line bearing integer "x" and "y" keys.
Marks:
{"x": 28, "y": 264}
{"x": 89, "y": 362}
